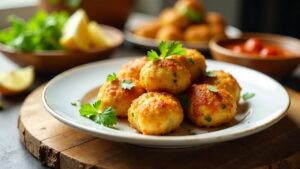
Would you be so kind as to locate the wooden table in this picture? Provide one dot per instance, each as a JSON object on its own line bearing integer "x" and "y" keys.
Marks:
{"x": 13, "y": 154}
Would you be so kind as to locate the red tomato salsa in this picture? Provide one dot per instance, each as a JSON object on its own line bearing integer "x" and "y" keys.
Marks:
{"x": 255, "y": 47}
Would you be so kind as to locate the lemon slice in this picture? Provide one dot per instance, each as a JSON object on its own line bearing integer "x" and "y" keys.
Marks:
{"x": 97, "y": 36}
{"x": 16, "y": 81}
{"x": 75, "y": 32}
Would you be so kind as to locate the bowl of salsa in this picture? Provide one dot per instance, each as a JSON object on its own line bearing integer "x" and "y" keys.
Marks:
{"x": 275, "y": 55}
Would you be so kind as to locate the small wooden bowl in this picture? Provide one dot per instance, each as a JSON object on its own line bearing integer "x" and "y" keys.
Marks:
{"x": 275, "y": 67}
{"x": 53, "y": 62}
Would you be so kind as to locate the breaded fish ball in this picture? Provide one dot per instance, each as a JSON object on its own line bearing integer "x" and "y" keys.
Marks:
{"x": 194, "y": 61}
{"x": 210, "y": 108}
{"x": 197, "y": 33}
{"x": 131, "y": 70}
{"x": 148, "y": 30}
{"x": 165, "y": 75}
{"x": 169, "y": 32}
{"x": 225, "y": 81}
{"x": 155, "y": 113}
{"x": 112, "y": 94}
{"x": 171, "y": 16}
{"x": 193, "y": 5}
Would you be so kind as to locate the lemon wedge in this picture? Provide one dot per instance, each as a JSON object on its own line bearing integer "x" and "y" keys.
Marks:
{"x": 75, "y": 32}
{"x": 97, "y": 36}
{"x": 16, "y": 81}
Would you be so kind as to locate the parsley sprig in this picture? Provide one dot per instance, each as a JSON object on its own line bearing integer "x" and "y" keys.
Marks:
{"x": 166, "y": 49}
{"x": 106, "y": 118}
{"x": 247, "y": 96}
{"x": 127, "y": 84}
{"x": 191, "y": 14}
{"x": 111, "y": 77}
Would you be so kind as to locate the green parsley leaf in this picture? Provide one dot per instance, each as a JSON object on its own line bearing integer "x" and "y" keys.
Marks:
{"x": 207, "y": 118}
{"x": 107, "y": 117}
{"x": 127, "y": 84}
{"x": 191, "y": 60}
{"x": 111, "y": 77}
{"x": 212, "y": 88}
{"x": 211, "y": 74}
{"x": 166, "y": 49}
{"x": 191, "y": 14}
{"x": 152, "y": 55}
{"x": 247, "y": 96}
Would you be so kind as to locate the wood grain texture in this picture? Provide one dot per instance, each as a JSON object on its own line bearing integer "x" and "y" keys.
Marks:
{"x": 59, "y": 146}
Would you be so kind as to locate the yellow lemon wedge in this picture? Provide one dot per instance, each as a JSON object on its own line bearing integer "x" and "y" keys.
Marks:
{"x": 16, "y": 81}
{"x": 97, "y": 36}
{"x": 75, "y": 32}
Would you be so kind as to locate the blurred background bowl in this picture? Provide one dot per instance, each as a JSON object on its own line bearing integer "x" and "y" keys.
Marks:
{"x": 52, "y": 62}
{"x": 275, "y": 67}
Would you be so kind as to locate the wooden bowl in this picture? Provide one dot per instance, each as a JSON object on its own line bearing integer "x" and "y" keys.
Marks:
{"x": 275, "y": 67}
{"x": 52, "y": 62}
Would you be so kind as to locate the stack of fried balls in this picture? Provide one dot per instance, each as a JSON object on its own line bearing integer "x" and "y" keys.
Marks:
{"x": 186, "y": 21}
{"x": 152, "y": 103}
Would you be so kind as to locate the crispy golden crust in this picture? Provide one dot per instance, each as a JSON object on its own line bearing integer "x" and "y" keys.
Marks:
{"x": 214, "y": 18}
{"x": 194, "y": 5}
{"x": 194, "y": 61}
{"x": 225, "y": 81}
{"x": 200, "y": 32}
{"x": 210, "y": 109}
{"x": 171, "y": 16}
{"x": 155, "y": 113}
{"x": 148, "y": 30}
{"x": 169, "y": 32}
{"x": 131, "y": 70}
{"x": 165, "y": 75}
{"x": 112, "y": 94}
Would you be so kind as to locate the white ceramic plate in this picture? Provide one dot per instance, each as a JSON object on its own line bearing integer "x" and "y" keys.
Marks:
{"x": 266, "y": 108}
{"x": 137, "y": 19}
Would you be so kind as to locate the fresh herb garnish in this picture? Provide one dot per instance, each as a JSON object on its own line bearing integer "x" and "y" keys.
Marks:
{"x": 247, "y": 96}
{"x": 41, "y": 32}
{"x": 191, "y": 14}
{"x": 106, "y": 118}
{"x": 191, "y": 60}
{"x": 127, "y": 84}
{"x": 207, "y": 118}
{"x": 212, "y": 88}
{"x": 166, "y": 49}
{"x": 111, "y": 77}
{"x": 211, "y": 74}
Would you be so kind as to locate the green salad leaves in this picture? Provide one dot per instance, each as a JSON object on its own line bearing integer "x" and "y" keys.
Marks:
{"x": 41, "y": 32}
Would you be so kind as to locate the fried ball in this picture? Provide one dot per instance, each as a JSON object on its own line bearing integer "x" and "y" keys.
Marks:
{"x": 169, "y": 33}
{"x": 194, "y": 5}
{"x": 112, "y": 94}
{"x": 166, "y": 75}
{"x": 217, "y": 30}
{"x": 210, "y": 108}
{"x": 213, "y": 18}
{"x": 131, "y": 70}
{"x": 194, "y": 61}
{"x": 225, "y": 81}
{"x": 197, "y": 33}
{"x": 148, "y": 30}
{"x": 171, "y": 16}
{"x": 155, "y": 113}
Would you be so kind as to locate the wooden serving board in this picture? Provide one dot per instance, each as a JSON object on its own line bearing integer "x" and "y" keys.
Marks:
{"x": 59, "y": 146}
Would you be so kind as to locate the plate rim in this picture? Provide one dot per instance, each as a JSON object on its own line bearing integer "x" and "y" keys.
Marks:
{"x": 198, "y": 139}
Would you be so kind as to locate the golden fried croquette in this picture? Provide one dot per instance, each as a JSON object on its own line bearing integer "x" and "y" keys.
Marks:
{"x": 217, "y": 30}
{"x": 155, "y": 113}
{"x": 169, "y": 32}
{"x": 214, "y": 18}
{"x": 194, "y": 5}
{"x": 112, "y": 94}
{"x": 225, "y": 81}
{"x": 197, "y": 33}
{"x": 171, "y": 16}
{"x": 194, "y": 61}
{"x": 210, "y": 108}
{"x": 148, "y": 30}
{"x": 131, "y": 70}
{"x": 165, "y": 75}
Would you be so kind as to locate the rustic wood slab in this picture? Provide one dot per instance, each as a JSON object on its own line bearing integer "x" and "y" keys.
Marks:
{"x": 59, "y": 146}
